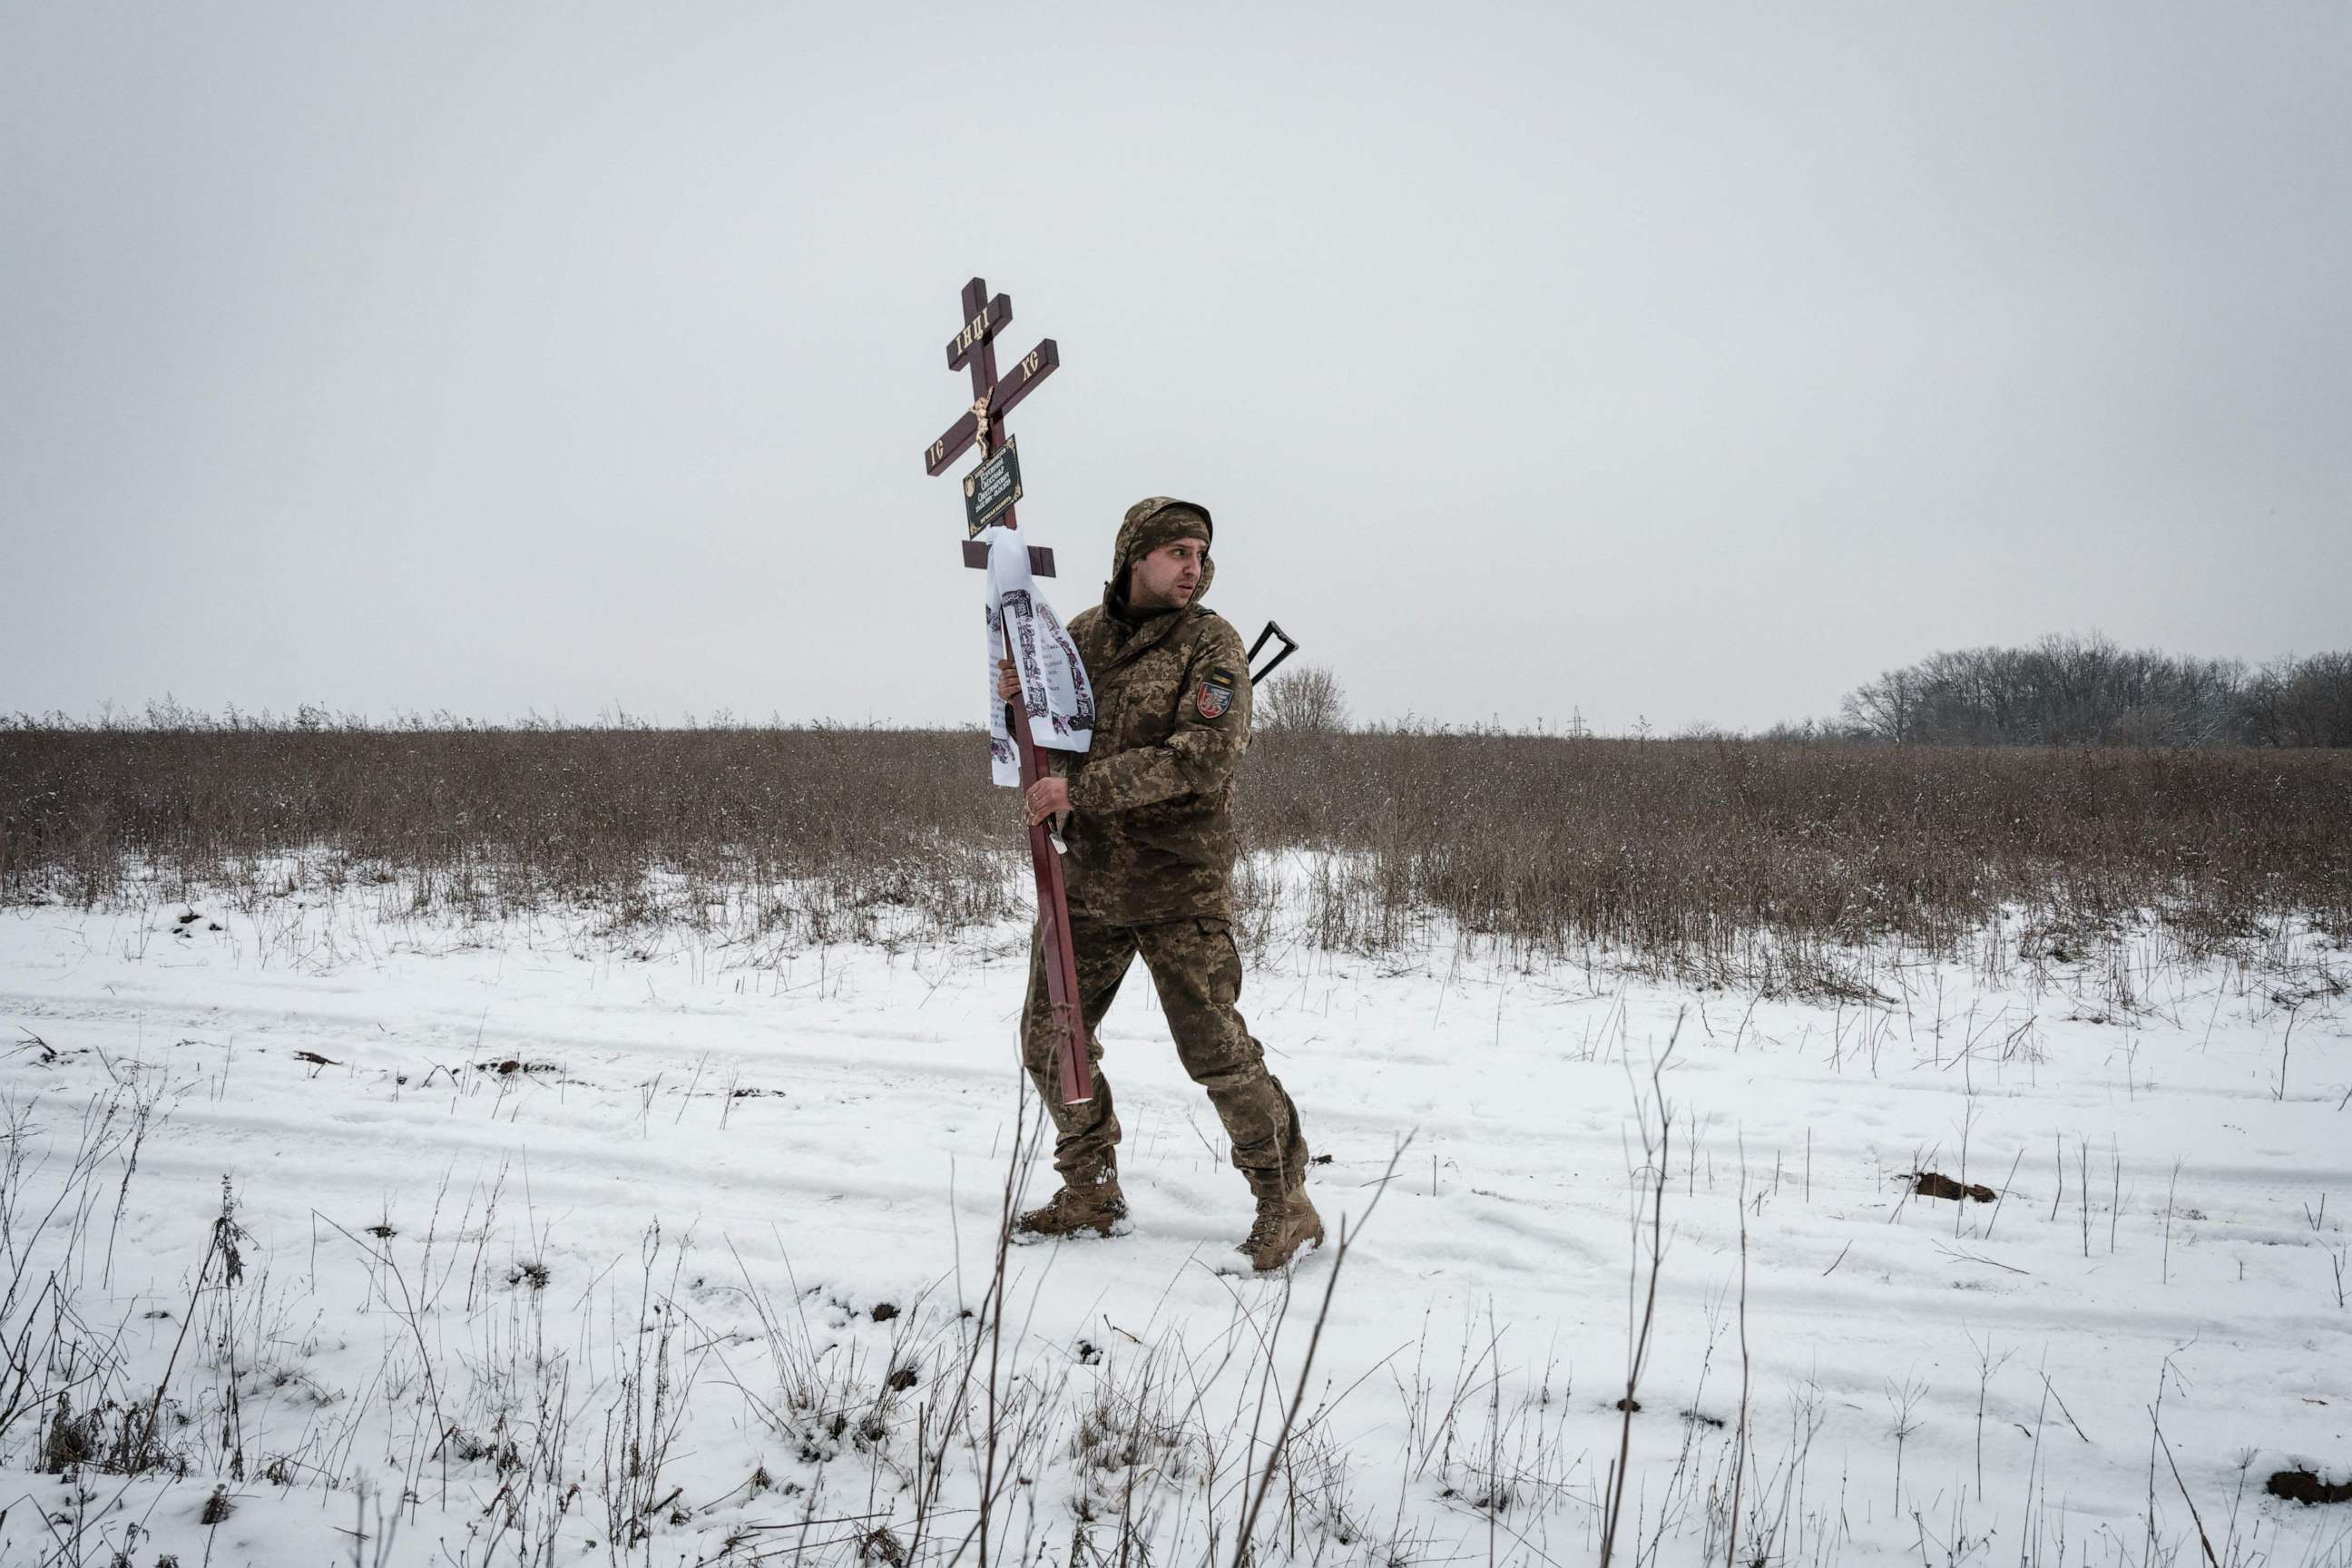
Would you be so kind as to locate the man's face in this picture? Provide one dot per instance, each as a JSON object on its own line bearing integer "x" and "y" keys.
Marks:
{"x": 1167, "y": 578}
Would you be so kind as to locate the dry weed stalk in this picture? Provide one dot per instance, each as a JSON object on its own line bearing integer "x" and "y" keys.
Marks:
{"x": 1740, "y": 1427}
{"x": 1280, "y": 1446}
{"x": 1657, "y": 1151}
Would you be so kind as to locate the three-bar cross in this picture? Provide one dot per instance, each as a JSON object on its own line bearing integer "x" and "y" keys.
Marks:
{"x": 983, "y": 425}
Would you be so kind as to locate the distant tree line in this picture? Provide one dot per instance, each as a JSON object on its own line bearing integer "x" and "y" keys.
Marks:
{"x": 2071, "y": 691}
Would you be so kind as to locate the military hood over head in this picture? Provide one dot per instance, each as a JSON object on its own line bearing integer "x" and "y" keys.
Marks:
{"x": 1149, "y": 524}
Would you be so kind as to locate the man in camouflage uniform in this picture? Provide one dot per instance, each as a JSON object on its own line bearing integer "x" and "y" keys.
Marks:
{"x": 1150, "y": 835}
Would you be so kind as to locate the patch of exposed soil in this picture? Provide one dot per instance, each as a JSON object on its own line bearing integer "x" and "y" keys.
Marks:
{"x": 1931, "y": 1184}
{"x": 2301, "y": 1486}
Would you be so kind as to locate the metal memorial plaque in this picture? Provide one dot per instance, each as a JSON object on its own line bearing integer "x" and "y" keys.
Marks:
{"x": 990, "y": 489}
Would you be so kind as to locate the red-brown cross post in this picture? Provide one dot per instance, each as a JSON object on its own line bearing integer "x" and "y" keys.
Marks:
{"x": 983, "y": 425}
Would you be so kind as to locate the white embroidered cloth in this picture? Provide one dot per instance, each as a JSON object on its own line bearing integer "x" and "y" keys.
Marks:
{"x": 1055, "y": 696}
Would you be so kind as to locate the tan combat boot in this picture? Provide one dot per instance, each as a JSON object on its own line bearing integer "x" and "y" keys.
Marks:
{"x": 1080, "y": 1206}
{"x": 1285, "y": 1223}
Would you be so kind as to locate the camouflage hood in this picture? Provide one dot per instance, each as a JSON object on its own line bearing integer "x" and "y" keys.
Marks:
{"x": 1149, "y": 524}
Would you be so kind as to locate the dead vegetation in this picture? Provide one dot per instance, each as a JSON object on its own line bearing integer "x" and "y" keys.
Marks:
{"x": 1755, "y": 862}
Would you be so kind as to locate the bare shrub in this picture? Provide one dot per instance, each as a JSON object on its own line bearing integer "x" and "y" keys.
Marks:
{"x": 2302, "y": 703}
{"x": 1307, "y": 698}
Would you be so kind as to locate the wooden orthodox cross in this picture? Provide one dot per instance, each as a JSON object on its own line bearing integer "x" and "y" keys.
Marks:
{"x": 982, "y": 426}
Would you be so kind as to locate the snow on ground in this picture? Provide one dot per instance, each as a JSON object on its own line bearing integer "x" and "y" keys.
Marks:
{"x": 633, "y": 1299}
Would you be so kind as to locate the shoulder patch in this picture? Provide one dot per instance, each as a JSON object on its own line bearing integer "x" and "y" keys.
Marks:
{"x": 1215, "y": 696}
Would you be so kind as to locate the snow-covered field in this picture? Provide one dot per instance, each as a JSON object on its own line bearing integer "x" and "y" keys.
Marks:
{"x": 557, "y": 1245}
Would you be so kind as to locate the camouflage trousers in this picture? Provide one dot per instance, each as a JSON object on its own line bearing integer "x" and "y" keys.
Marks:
{"x": 1197, "y": 973}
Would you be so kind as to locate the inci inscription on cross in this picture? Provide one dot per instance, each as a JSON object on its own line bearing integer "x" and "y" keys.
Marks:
{"x": 982, "y": 428}
{"x": 983, "y": 425}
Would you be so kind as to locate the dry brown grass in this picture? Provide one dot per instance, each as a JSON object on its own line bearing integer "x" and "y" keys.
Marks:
{"x": 1690, "y": 848}
{"x": 806, "y": 825}
{"x": 1715, "y": 856}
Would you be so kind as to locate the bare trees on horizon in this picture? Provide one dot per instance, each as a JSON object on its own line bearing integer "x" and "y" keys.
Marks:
{"x": 2071, "y": 690}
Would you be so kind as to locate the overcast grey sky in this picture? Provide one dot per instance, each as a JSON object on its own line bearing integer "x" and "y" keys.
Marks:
{"x": 1691, "y": 361}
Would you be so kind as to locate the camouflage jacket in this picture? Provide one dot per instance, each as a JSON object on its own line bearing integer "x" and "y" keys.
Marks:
{"x": 1151, "y": 829}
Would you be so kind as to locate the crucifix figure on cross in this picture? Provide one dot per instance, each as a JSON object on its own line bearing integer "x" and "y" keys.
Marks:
{"x": 989, "y": 493}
